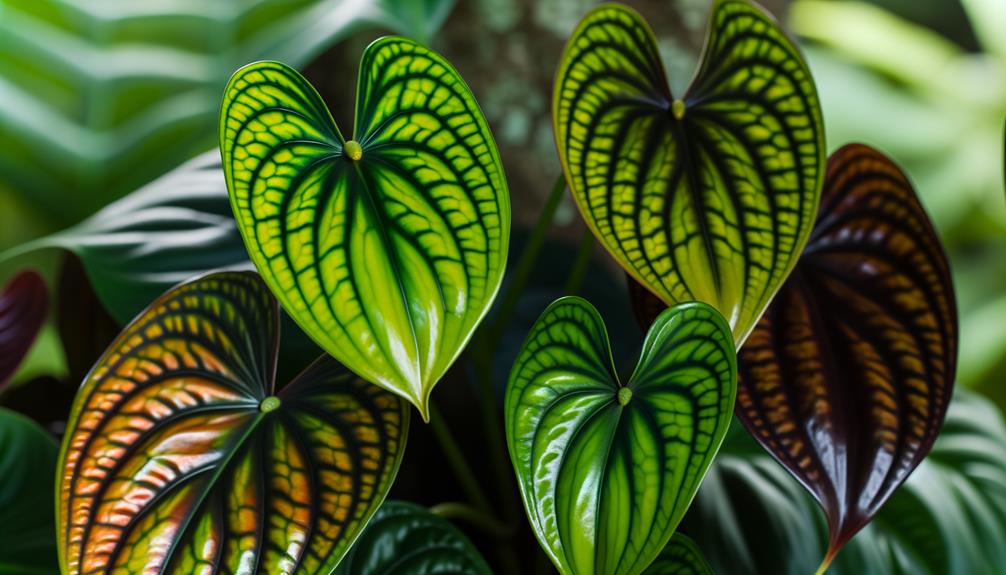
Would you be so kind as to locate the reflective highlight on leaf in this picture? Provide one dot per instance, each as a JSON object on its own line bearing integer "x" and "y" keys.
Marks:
{"x": 681, "y": 556}
{"x": 406, "y": 539}
{"x": 847, "y": 377}
{"x": 24, "y": 304}
{"x": 605, "y": 485}
{"x": 707, "y": 198}
{"x": 170, "y": 466}
{"x": 388, "y": 256}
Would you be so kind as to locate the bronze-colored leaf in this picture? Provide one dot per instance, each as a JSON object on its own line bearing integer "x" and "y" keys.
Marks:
{"x": 847, "y": 377}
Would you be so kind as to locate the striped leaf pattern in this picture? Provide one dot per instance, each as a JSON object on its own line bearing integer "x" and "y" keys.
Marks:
{"x": 707, "y": 198}
{"x": 181, "y": 458}
{"x": 608, "y": 470}
{"x": 681, "y": 556}
{"x": 389, "y": 248}
{"x": 847, "y": 377}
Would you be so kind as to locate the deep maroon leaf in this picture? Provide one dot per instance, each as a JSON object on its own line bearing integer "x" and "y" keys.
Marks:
{"x": 23, "y": 305}
{"x": 846, "y": 378}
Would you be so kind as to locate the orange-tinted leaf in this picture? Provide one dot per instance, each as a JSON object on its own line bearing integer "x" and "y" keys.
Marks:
{"x": 847, "y": 377}
{"x": 23, "y": 306}
{"x": 180, "y": 457}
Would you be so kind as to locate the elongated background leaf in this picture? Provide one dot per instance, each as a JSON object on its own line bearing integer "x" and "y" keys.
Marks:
{"x": 178, "y": 456}
{"x": 24, "y": 303}
{"x": 406, "y": 539}
{"x": 27, "y": 472}
{"x": 847, "y": 378}
{"x": 388, "y": 250}
{"x": 707, "y": 198}
{"x": 607, "y": 471}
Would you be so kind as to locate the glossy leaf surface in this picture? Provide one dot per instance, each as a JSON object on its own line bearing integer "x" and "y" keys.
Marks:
{"x": 180, "y": 457}
{"x": 24, "y": 303}
{"x": 847, "y": 377}
{"x": 27, "y": 473}
{"x": 387, "y": 248}
{"x": 607, "y": 470}
{"x": 707, "y": 198}
{"x": 406, "y": 539}
{"x": 681, "y": 556}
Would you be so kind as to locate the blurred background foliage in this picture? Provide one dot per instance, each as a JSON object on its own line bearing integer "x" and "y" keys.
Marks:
{"x": 101, "y": 98}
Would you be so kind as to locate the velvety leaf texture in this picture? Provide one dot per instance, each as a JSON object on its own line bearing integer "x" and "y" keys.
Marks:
{"x": 24, "y": 304}
{"x": 387, "y": 249}
{"x": 681, "y": 556}
{"x": 847, "y": 377}
{"x": 708, "y": 198}
{"x": 180, "y": 457}
{"x": 406, "y": 539}
{"x": 607, "y": 470}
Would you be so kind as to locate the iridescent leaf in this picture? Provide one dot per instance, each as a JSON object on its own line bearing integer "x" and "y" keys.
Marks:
{"x": 388, "y": 248}
{"x": 707, "y": 198}
{"x": 406, "y": 539}
{"x": 847, "y": 377}
{"x": 24, "y": 303}
{"x": 27, "y": 472}
{"x": 181, "y": 458}
{"x": 607, "y": 470}
{"x": 681, "y": 556}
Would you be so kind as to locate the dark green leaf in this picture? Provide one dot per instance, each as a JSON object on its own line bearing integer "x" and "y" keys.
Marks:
{"x": 847, "y": 377}
{"x": 710, "y": 197}
{"x": 27, "y": 472}
{"x": 180, "y": 455}
{"x": 386, "y": 248}
{"x": 607, "y": 470}
{"x": 406, "y": 539}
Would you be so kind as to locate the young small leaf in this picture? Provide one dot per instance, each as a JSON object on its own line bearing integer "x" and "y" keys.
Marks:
{"x": 24, "y": 303}
{"x": 681, "y": 556}
{"x": 607, "y": 470}
{"x": 181, "y": 457}
{"x": 406, "y": 539}
{"x": 387, "y": 248}
{"x": 707, "y": 198}
{"x": 847, "y": 377}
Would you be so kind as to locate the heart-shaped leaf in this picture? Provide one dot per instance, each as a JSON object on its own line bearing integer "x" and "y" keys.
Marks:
{"x": 387, "y": 249}
{"x": 607, "y": 471}
{"x": 847, "y": 377}
{"x": 27, "y": 472}
{"x": 707, "y": 198}
{"x": 180, "y": 458}
{"x": 24, "y": 303}
{"x": 406, "y": 539}
{"x": 681, "y": 556}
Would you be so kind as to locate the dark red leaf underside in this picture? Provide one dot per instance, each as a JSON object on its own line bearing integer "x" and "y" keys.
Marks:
{"x": 23, "y": 305}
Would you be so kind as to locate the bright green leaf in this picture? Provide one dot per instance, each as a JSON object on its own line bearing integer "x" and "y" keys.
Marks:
{"x": 607, "y": 470}
{"x": 182, "y": 457}
{"x": 406, "y": 539}
{"x": 710, "y": 197}
{"x": 387, "y": 248}
{"x": 27, "y": 469}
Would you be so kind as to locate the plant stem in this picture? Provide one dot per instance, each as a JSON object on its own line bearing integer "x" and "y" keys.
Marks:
{"x": 457, "y": 461}
{"x": 457, "y": 510}
{"x": 580, "y": 265}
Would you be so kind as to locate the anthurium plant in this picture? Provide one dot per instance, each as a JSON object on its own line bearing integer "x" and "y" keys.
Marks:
{"x": 794, "y": 369}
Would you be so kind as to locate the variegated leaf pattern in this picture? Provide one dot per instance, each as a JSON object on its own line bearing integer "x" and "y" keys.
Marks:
{"x": 707, "y": 198}
{"x": 607, "y": 470}
{"x": 847, "y": 377}
{"x": 180, "y": 457}
{"x": 388, "y": 248}
{"x": 681, "y": 556}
